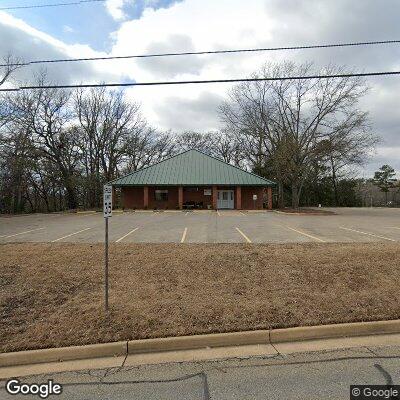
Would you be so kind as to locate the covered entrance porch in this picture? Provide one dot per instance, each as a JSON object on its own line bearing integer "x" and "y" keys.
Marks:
{"x": 197, "y": 197}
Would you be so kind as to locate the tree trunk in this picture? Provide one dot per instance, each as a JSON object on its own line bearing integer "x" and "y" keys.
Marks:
{"x": 281, "y": 199}
{"x": 71, "y": 198}
{"x": 72, "y": 202}
{"x": 295, "y": 196}
{"x": 335, "y": 188}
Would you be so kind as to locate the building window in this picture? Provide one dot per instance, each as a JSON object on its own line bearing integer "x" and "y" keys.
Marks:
{"x": 161, "y": 195}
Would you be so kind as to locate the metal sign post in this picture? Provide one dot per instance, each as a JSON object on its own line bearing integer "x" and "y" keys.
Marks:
{"x": 107, "y": 212}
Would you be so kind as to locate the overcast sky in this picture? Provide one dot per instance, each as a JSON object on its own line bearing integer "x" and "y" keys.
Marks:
{"x": 120, "y": 27}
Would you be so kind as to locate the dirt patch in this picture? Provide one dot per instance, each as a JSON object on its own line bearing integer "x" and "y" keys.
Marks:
{"x": 52, "y": 294}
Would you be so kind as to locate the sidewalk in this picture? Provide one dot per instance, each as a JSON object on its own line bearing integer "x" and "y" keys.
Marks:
{"x": 204, "y": 354}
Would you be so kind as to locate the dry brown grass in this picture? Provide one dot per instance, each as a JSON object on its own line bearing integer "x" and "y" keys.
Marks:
{"x": 52, "y": 294}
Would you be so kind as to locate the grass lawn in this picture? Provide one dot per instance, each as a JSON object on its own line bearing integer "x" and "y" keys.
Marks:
{"x": 52, "y": 294}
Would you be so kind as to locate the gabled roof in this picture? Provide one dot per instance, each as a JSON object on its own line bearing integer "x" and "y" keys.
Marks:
{"x": 191, "y": 168}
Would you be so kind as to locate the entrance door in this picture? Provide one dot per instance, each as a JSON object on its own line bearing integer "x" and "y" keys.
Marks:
{"x": 225, "y": 199}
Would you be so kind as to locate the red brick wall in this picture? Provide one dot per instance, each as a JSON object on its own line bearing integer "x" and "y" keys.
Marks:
{"x": 247, "y": 197}
{"x": 171, "y": 203}
{"x": 132, "y": 197}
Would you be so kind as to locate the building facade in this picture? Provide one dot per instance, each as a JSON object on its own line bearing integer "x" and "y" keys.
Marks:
{"x": 194, "y": 180}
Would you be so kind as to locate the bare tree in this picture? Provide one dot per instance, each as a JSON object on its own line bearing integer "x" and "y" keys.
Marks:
{"x": 45, "y": 115}
{"x": 286, "y": 121}
{"x": 227, "y": 146}
{"x": 146, "y": 146}
{"x": 348, "y": 145}
{"x": 194, "y": 140}
{"x": 10, "y": 65}
{"x": 107, "y": 122}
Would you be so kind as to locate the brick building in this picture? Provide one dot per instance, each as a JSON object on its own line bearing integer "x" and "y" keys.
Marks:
{"x": 193, "y": 179}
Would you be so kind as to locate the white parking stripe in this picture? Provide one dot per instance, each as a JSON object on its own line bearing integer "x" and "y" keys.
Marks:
{"x": 71, "y": 234}
{"x": 123, "y": 237}
{"x": 184, "y": 235}
{"x": 23, "y": 233}
{"x": 368, "y": 233}
{"x": 218, "y": 213}
{"x": 305, "y": 234}
{"x": 393, "y": 227}
{"x": 247, "y": 239}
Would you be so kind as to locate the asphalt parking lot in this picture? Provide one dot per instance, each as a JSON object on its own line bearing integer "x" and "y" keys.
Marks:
{"x": 348, "y": 225}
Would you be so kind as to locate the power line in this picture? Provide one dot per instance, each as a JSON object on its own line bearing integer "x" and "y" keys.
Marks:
{"x": 128, "y": 84}
{"x": 190, "y": 53}
{"x": 52, "y": 5}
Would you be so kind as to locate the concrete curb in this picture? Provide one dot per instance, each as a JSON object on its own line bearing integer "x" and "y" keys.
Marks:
{"x": 63, "y": 354}
{"x": 334, "y": 331}
{"x": 198, "y": 341}
{"x": 271, "y": 336}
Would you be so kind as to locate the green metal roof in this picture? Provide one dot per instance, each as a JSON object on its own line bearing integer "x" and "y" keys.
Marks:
{"x": 191, "y": 168}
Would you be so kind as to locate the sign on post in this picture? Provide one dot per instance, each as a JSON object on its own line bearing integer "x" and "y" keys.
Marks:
{"x": 107, "y": 212}
{"x": 254, "y": 200}
{"x": 107, "y": 201}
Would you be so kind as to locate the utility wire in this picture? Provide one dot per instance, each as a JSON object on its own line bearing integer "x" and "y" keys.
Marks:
{"x": 190, "y": 53}
{"x": 52, "y": 5}
{"x": 127, "y": 84}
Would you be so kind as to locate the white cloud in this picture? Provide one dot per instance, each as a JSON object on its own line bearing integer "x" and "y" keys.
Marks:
{"x": 68, "y": 29}
{"x": 259, "y": 23}
{"x": 229, "y": 24}
{"x": 190, "y": 26}
{"x": 29, "y": 44}
{"x": 116, "y": 9}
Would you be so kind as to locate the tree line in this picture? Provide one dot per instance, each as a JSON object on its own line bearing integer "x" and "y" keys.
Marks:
{"x": 58, "y": 147}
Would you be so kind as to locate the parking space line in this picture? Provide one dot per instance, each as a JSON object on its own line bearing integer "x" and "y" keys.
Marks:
{"x": 71, "y": 234}
{"x": 247, "y": 239}
{"x": 240, "y": 212}
{"x": 218, "y": 213}
{"x": 123, "y": 237}
{"x": 305, "y": 234}
{"x": 368, "y": 233}
{"x": 184, "y": 235}
{"x": 393, "y": 227}
{"x": 22, "y": 233}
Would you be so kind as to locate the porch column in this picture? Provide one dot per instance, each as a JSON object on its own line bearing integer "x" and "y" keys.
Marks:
{"x": 269, "y": 195}
{"x": 238, "y": 197}
{"x": 180, "y": 197}
{"x": 145, "y": 196}
{"x": 214, "y": 197}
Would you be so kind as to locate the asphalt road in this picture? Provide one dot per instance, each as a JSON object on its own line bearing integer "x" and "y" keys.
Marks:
{"x": 348, "y": 225}
{"x": 314, "y": 375}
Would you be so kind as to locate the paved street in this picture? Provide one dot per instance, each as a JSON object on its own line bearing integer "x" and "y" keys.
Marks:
{"x": 314, "y": 375}
{"x": 348, "y": 225}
